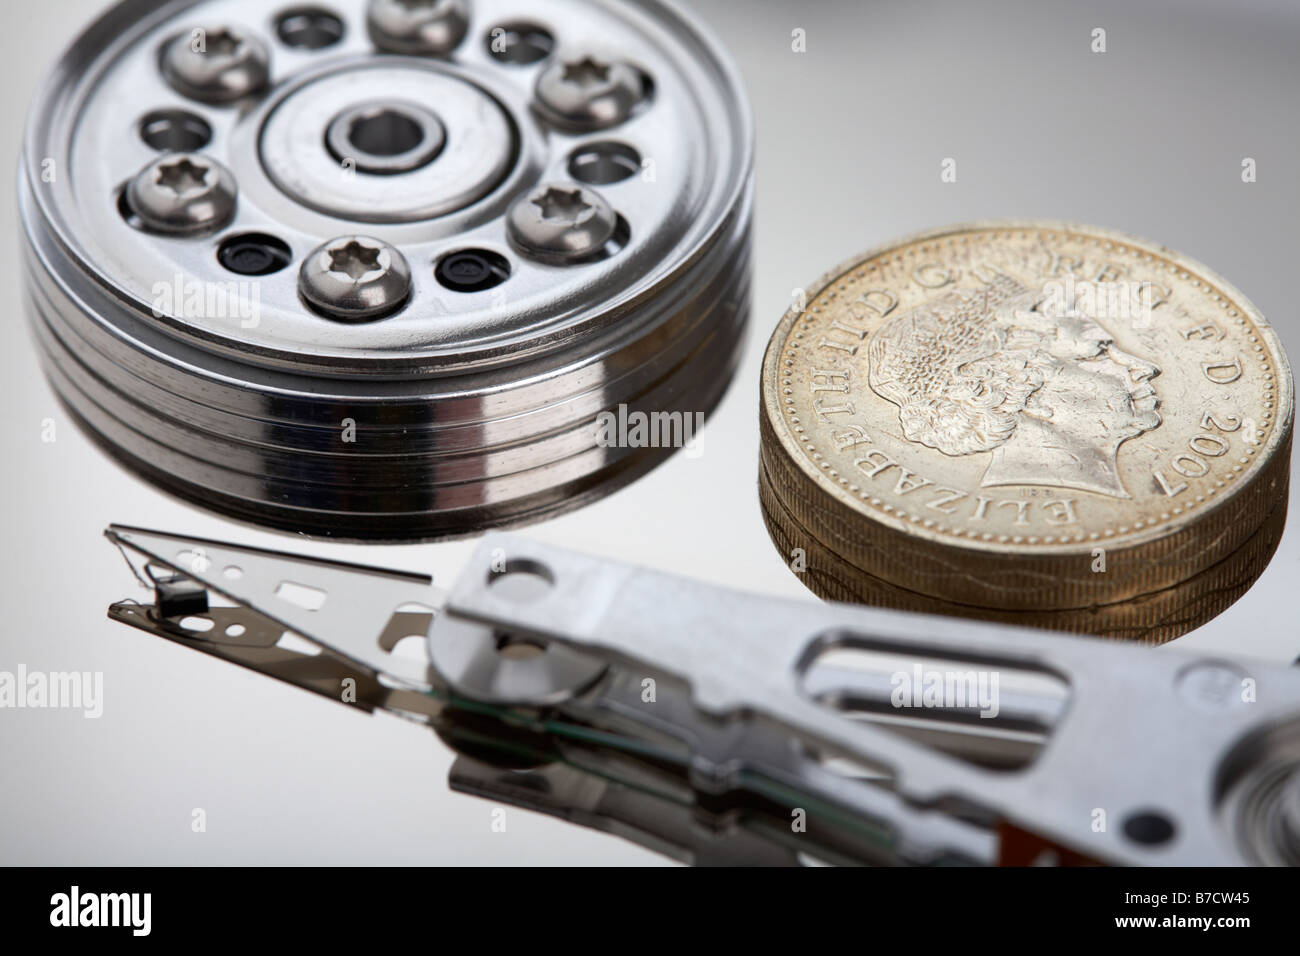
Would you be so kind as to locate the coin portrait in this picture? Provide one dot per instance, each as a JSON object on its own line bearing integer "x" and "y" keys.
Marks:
{"x": 998, "y": 369}
{"x": 988, "y": 413}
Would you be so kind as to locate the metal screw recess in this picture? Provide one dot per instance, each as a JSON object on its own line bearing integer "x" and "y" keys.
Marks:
{"x": 216, "y": 65}
{"x": 589, "y": 93}
{"x": 183, "y": 193}
{"x": 355, "y": 279}
{"x": 561, "y": 224}
{"x": 386, "y": 119}
{"x": 417, "y": 27}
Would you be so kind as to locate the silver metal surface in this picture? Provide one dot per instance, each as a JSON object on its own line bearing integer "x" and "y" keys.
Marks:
{"x": 291, "y": 777}
{"x": 182, "y": 194}
{"x": 468, "y": 406}
{"x": 384, "y": 136}
{"x": 355, "y": 279}
{"x": 429, "y": 27}
{"x": 348, "y": 607}
{"x": 561, "y": 223}
{"x": 642, "y": 693}
{"x": 1197, "y": 727}
{"x": 216, "y": 64}
{"x": 347, "y": 182}
{"x": 587, "y": 92}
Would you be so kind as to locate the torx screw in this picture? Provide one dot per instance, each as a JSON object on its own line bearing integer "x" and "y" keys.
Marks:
{"x": 588, "y": 93}
{"x": 355, "y": 279}
{"x": 182, "y": 194}
{"x": 216, "y": 65}
{"x": 417, "y": 27}
{"x": 561, "y": 223}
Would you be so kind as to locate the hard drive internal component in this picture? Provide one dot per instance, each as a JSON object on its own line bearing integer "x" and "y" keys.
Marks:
{"x": 1041, "y": 423}
{"x": 719, "y": 726}
{"x": 379, "y": 270}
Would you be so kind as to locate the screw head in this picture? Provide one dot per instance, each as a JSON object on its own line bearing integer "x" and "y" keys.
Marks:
{"x": 217, "y": 64}
{"x": 561, "y": 223}
{"x": 355, "y": 279}
{"x": 182, "y": 194}
{"x": 588, "y": 93}
{"x": 417, "y": 27}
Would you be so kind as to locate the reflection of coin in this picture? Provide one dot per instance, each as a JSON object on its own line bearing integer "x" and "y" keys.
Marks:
{"x": 1026, "y": 416}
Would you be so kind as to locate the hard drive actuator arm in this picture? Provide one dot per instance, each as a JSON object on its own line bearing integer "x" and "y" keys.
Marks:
{"x": 722, "y": 727}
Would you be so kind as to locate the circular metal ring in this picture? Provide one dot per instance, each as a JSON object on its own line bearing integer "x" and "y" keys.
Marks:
{"x": 385, "y": 137}
{"x": 353, "y": 400}
{"x": 1258, "y": 796}
{"x": 342, "y": 103}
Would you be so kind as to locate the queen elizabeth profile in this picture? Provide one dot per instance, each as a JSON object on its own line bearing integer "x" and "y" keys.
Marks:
{"x": 1019, "y": 374}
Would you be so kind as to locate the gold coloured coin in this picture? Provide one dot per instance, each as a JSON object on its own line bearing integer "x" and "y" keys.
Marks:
{"x": 1027, "y": 416}
{"x": 1151, "y": 618}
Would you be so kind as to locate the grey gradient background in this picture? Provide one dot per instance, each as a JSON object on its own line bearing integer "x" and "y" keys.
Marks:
{"x": 1146, "y": 138}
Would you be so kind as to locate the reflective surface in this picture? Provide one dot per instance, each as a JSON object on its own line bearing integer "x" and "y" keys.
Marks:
{"x": 1148, "y": 137}
{"x": 437, "y": 413}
